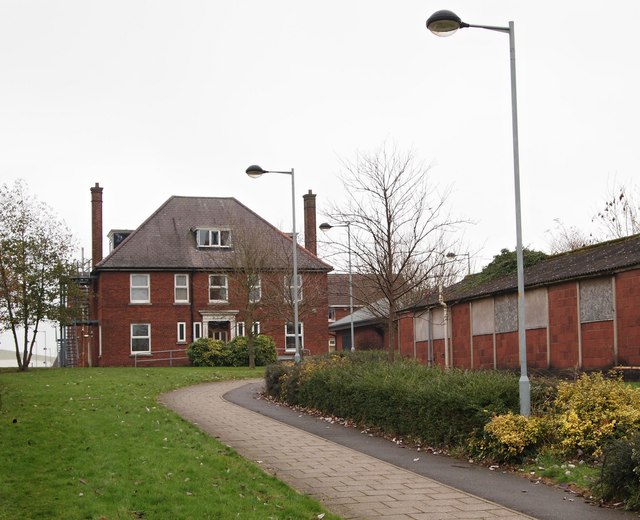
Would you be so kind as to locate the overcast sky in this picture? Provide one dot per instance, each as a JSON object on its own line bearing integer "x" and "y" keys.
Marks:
{"x": 158, "y": 98}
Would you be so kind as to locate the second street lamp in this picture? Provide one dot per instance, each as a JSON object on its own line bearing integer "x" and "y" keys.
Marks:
{"x": 254, "y": 171}
{"x": 325, "y": 226}
{"x": 446, "y": 23}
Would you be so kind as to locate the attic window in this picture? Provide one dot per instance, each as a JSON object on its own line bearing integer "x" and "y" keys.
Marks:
{"x": 213, "y": 237}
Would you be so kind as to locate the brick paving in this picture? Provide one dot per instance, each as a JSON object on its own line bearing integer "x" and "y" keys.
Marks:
{"x": 348, "y": 483}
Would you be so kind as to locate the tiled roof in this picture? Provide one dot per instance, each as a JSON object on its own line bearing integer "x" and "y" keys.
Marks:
{"x": 166, "y": 240}
{"x": 597, "y": 260}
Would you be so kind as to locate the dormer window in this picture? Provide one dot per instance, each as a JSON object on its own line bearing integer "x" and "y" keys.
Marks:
{"x": 213, "y": 237}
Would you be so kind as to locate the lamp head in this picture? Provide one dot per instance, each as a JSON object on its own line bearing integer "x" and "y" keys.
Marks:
{"x": 325, "y": 226}
{"x": 444, "y": 23}
{"x": 451, "y": 255}
{"x": 254, "y": 171}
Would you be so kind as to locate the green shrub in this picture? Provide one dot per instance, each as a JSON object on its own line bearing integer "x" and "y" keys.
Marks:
{"x": 403, "y": 398}
{"x": 594, "y": 411}
{"x": 274, "y": 377}
{"x": 207, "y": 352}
{"x": 620, "y": 476}
{"x": 264, "y": 349}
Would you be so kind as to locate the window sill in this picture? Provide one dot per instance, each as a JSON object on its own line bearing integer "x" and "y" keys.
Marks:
{"x": 140, "y": 354}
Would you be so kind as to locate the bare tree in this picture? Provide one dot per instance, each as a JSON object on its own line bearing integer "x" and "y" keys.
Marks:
{"x": 620, "y": 216}
{"x": 568, "y": 238}
{"x": 262, "y": 269}
{"x": 251, "y": 259}
{"x": 35, "y": 260}
{"x": 401, "y": 230}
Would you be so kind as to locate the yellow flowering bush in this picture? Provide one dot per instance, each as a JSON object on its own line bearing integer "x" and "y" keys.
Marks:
{"x": 593, "y": 411}
{"x": 509, "y": 437}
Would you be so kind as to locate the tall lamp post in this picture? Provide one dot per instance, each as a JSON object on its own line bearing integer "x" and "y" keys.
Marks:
{"x": 325, "y": 226}
{"x": 254, "y": 171}
{"x": 445, "y": 23}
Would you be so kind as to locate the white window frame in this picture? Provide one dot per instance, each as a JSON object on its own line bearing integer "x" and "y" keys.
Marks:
{"x": 213, "y": 237}
{"x": 139, "y": 287}
{"x": 240, "y": 330}
{"x": 181, "y": 332}
{"x": 255, "y": 290}
{"x": 197, "y": 330}
{"x": 224, "y": 287}
{"x": 289, "y": 335}
{"x": 184, "y": 288}
{"x": 288, "y": 285}
{"x": 139, "y": 336}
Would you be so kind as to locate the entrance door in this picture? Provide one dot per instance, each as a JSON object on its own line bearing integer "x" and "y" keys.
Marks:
{"x": 218, "y": 330}
{"x": 346, "y": 341}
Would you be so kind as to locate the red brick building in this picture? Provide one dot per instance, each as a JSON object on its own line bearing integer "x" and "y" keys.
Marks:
{"x": 179, "y": 277}
{"x": 369, "y": 330}
{"x": 364, "y": 293}
{"x": 582, "y": 310}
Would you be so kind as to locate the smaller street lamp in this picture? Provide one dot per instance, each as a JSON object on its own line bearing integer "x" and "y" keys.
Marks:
{"x": 325, "y": 226}
{"x": 453, "y": 255}
{"x": 254, "y": 171}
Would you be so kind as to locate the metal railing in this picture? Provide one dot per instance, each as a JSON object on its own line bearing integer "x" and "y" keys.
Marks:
{"x": 141, "y": 358}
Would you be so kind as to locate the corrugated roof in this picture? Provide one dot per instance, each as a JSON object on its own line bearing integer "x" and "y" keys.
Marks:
{"x": 167, "y": 239}
{"x": 362, "y": 316}
{"x": 592, "y": 261}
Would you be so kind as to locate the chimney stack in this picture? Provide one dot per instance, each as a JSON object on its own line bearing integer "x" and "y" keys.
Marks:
{"x": 96, "y": 224}
{"x": 310, "y": 241}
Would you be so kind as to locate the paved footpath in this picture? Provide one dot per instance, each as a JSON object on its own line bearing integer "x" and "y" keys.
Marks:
{"x": 349, "y": 483}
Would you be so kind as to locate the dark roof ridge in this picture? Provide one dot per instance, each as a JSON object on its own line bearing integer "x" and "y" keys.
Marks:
{"x": 590, "y": 261}
{"x": 111, "y": 261}
{"x": 589, "y": 247}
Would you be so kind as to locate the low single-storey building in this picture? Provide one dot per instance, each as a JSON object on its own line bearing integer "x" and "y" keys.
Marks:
{"x": 582, "y": 311}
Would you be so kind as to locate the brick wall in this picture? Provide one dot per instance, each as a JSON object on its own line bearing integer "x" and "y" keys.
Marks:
{"x": 597, "y": 344}
{"x": 537, "y": 348}
{"x": 460, "y": 335}
{"x": 483, "y": 351}
{"x": 116, "y": 314}
{"x": 563, "y": 326}
{"x": 628, "y": 316}
{"x": 507, "y": 350}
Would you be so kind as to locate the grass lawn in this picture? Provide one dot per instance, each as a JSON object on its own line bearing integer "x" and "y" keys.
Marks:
{"x": 95, "y": 444}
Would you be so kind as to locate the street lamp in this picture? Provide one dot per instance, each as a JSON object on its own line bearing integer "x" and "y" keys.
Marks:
{"x": 325, "y": 226}
{"x": 446, "y": 23}
{"x": 254, "y": 171}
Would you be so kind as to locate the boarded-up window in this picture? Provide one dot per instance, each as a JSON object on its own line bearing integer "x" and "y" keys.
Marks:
{"x": 506, "y": 313}
{"x": 421, "y": 324}
{"x": 482, "y": 317}
{"x": 535, "y": 304}
{"x": 437, "y": 316}
{"x": 596, "y": 300}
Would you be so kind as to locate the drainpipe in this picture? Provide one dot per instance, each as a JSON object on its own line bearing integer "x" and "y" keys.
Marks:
{"x": 415, "y": 349}
{"x": 430, "y": 336}
{"x": 446, "y": 326}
